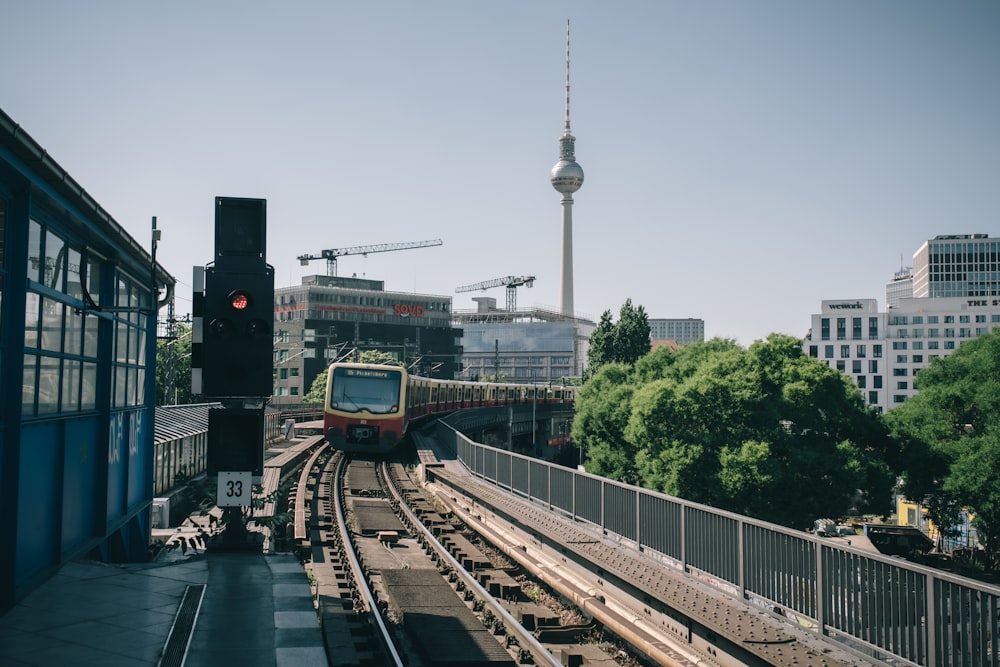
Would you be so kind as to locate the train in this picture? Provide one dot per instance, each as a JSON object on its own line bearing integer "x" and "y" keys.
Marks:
{"x": 369, "y": 407}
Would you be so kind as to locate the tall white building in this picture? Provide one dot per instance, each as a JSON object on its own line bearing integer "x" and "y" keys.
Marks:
{"x": 882, "y": 351}
{"x": 957, "y": 265}
{"x": 688, "y": 330}
{"x": 951, "y": 295}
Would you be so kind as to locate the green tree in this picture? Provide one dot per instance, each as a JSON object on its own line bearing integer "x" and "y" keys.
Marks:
{"x": 766, "y": 431}
{"x": 631, "y": 337}
{"x": 601, "y": 350}
{"x": 950, "y": 436}
{"x": 623, "y": 342}
{"x": 173, "y": 367}
{"x": 378, "y": 357}
{"x": 317, "y": 391}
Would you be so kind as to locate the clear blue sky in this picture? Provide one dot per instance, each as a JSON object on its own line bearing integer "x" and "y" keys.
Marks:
{"x": 744, "y": 160}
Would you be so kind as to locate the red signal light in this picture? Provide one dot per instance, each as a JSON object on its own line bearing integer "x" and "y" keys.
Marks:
{"x": 239, "y": 300}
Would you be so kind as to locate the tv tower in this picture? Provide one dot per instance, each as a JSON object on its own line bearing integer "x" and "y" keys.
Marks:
{"x": 567, "y": 177}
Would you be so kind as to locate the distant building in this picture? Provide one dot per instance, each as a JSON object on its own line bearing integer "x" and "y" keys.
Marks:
{"x": 882, "y": 351}
{"x": 957, "y": 265}
{"x": 688, "y": 330}
{"x": 327, "y": 318}
{"x": 901, "y": 287}
{"x": 531, "y": 345}
{"x": 951, "y": 295}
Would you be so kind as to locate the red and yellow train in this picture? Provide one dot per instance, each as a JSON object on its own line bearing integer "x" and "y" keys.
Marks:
{"x": 370, "y": 406}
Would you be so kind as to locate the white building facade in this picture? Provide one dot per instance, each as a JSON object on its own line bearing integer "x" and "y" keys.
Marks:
{"x": 882, "y": 351}
{"x": 687, "y": 330}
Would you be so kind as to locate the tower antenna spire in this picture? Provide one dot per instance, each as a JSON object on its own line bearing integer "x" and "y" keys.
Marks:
{"x": 566, "y": 178}
{"x": 567, "y": 76}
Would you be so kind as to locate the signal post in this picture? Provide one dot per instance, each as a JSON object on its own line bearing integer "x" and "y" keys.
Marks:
{"x": 232, "y": 353}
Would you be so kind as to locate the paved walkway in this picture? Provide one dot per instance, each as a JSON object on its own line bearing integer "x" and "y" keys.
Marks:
{"x": 255, "y": 610}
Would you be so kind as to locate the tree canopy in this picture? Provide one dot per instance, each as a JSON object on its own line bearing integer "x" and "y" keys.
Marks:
{"x": 950, "y": 435}
{"x": 766, "y": 431}
{"x": 622, "y": 342}
{"x": 173, "y": 367}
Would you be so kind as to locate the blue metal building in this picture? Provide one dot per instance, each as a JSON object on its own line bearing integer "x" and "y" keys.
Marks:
{"x": 78, "y": 308}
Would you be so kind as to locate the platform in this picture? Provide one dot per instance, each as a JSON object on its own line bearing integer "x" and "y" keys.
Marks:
{"x": 255, "y": 610}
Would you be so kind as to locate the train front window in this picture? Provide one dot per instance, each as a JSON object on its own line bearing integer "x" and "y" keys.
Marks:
{"x": 365, "y": 390}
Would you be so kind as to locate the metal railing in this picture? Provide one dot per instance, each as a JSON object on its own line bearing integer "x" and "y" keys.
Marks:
{"x": 880, "y": 607}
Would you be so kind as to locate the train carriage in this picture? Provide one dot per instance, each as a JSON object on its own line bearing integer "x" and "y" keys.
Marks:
{"x": 368, "y": 407}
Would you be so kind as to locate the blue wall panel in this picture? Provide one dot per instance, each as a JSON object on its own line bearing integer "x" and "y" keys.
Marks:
{"x": 38, "y": 498}
{"x": 140, "y": 478}
{"x": 80, "y": 490}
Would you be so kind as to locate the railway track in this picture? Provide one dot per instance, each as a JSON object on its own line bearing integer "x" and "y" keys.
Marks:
{"x": 400, "y": 581}
{"x": 429, "y": 575}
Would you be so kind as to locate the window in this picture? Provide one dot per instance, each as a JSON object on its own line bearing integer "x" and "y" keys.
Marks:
{"x": 824, "y": 325}
{"x": 898, "y": 398}
{"x": 60, "y": 341}
{"x": 877, "y": 351}
{"x": 932, "y": 319}
{"x": 841, "y": 365}
{"x": 861, "y": 352}
{"x": 899, "y": 372}
{"x": 949, "y": 345}
{"x": 814, "y": 351}
{"x": 841, "y": 328}
{"x": 828, "y": 351}
{"x": 872, "y": 397}
{"x": 845, "y": 351}
{"x": 932, "y": 344}
{"x": 856, "y": 325}
{"x": 963, "y": 319}
{"x": 873, "y": 366}
{"x": 862, "y": 381}
{"x": 856, "y": 366}
{"x": 899, "y": 344}
{"x": 877, "y": 381}
{"x": 949, "y": 319}
{"x": 918, "y": 358}
{"x": 900, "y": 358}
{"x": 872, "y": 328}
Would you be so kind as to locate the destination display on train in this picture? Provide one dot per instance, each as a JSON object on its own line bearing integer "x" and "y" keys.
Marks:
{"x": 367, "y": 373}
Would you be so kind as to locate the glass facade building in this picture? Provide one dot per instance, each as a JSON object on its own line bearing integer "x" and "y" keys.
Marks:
{"x": 524, "y": 345}
{"x": 957, "y": 265}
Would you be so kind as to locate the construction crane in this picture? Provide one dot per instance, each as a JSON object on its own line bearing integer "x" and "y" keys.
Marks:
{"x": 331, "y": 254}
{"x": 512, "y": 283}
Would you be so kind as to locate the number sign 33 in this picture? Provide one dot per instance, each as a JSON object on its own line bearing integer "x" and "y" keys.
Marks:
{"x": 234, "y": 489}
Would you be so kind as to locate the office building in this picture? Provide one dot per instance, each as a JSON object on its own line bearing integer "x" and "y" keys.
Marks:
{"x": 957, "y": 265}
{"x": 331, "y": 318}
{"x": 688, "y": 330}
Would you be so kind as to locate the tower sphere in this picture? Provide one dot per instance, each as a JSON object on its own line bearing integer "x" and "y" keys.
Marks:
{"x": 567, "y": 176}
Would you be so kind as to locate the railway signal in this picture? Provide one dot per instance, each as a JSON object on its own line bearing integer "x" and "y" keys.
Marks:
{"x": 237, "y": 343}
{"x": 237, "y": 309}
{"x": 232, "y": 351}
